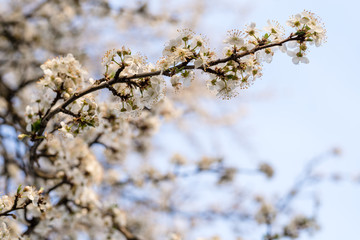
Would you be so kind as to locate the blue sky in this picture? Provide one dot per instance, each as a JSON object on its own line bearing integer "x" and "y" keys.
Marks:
{"x": 304, "y": 110}
{"x": 312, "y": 108}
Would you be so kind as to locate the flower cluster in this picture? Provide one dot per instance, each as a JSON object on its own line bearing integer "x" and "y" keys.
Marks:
{"x": 235, "y": 74}
{"x": 64, "y": 75}
{"x": 266, "y": 169}
{"x": 133, "y": 95}
{"x": 6, "y": 202}
{"x": 186, "y": 48}
{"x": 242, "y": 72}
{"x": 22, "y": 199}
{"x": 266, "y": 213}
{"x": 4, "y": 231}
{"x": 77, "y": 163}
{"x": 122, "y": 133}
{"x": 81, "y": 114}
{"x": 308, "y": 26}
{"x": 207, "y": 162}
{"x": 300, "y": 223}
{"x": 247, "y": 52}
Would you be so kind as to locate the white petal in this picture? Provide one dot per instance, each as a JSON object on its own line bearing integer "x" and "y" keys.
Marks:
{"x": 292, "y": 44}
{"x": 47, "y": 72}
{"x": 304, "y": 60}
{"x": 291, "y": 53}
{"x": 295, "y": 60}
{"x": 198, "y": 63}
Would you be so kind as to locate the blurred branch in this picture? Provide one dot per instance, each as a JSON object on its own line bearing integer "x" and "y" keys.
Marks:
{"x": 304, "y": 178}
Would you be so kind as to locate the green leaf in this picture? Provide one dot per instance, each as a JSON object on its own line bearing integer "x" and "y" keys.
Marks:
{"x": 300, "y": 33}
{"x": 36, "y": 126}
{"x": 18, "y": 189}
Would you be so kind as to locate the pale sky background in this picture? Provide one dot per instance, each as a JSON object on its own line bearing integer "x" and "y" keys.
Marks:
{"x": 309, "y": 109}
{"x": 314, "y": 108}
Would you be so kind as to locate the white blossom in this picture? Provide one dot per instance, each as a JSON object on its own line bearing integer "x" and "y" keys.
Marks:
{"x": 275, "y": 30}
{"x": 251, "y": 30}
{"x": 64, "y": 74}
{"x": 4, "y": 231}
{"x": 235, "y": 38}
{"x": 298, "y": 57}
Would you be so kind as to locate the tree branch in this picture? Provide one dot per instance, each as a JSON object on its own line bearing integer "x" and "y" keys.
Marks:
{"x": 103, "y": 83}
